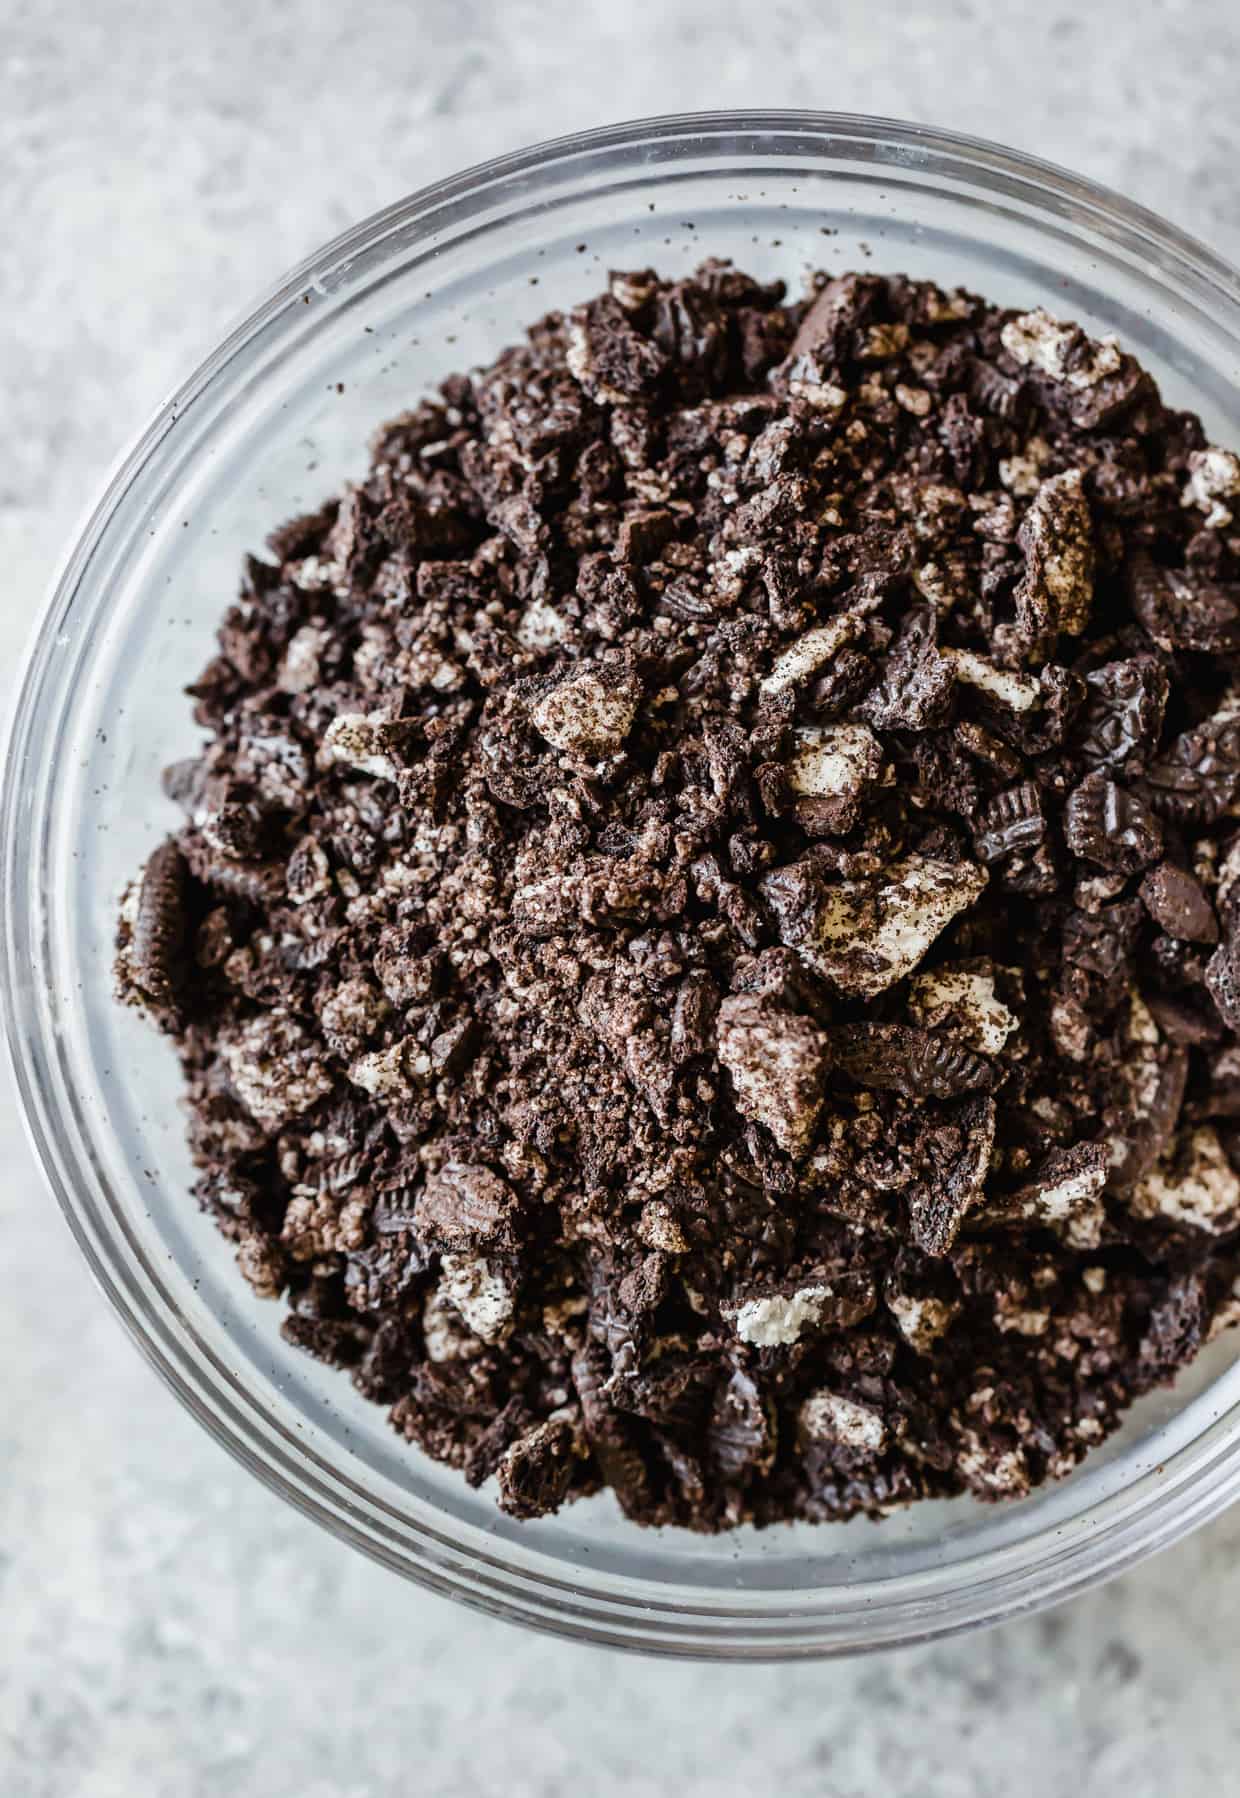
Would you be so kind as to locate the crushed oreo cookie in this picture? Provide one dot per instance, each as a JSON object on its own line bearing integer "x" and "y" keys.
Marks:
{"x": 705, "y": 941}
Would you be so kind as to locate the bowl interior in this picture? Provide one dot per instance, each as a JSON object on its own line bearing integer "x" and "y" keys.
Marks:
{"x": 282, "y": 421}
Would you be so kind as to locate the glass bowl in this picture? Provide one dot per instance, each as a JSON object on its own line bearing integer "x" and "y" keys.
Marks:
{"x": 269, "y": 426}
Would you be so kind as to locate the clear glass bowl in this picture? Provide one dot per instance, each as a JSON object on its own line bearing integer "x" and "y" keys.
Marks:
{"x": 271, "y": 425}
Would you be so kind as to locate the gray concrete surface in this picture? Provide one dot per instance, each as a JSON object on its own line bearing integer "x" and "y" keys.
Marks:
{"x": 167, "y": 1627}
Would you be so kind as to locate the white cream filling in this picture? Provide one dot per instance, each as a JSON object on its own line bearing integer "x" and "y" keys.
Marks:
{"x": 919, "y": 901}
{"x": 1036, "y": 340}
{"x": 983, "y": 1020}
{"x": 1214, "y": 477}
{"x": 1019, "y": 691}
{"x": 808, "y": 653}
{"x": 1205, "y": 1195}
{"x": 582, "y": 713}
{"x": 834, "y": 761}
{"x": 922, "y": 1321}
{"x": 541, "y": 626}
{"x": 480, "y": 1297}
{"x": 390, "y": 1073}
{"x": 775, "y": 1322}
{"x": 357, "y": 739}
{"x": 827, "y": 1417}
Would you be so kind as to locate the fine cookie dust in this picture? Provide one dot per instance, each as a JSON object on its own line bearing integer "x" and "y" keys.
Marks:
{"x": 705, "y": 938}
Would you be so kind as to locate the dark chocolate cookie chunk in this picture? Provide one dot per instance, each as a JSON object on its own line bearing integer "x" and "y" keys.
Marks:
{"x": 155, "y": 931}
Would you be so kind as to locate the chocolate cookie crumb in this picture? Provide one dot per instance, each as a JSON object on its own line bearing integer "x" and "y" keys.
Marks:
{"x": 705, "y": 940}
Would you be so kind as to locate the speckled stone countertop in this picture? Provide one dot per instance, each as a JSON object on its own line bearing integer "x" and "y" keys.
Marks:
{"x": 169, "y": 1629}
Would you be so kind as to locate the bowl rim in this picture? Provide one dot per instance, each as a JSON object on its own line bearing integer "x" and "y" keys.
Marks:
{"x": 620, "y": 1612}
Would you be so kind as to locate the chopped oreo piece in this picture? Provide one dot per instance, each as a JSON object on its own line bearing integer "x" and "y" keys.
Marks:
{"x": 1106, "y": 824}
{"x": 613, "y": 361}
{"x": 955, "y": 1180}
{"x": 153, "y": 942}
{"x": 535, "y": 1471}
{"x": 1055, "y": 593}
{"x": 1012, "y": 823}
{"x": 742, "y": 1429}
{"x": 1222, "y": 981}
{"x": 462, "y": 1205}
{"x": 917, "y": 684}
{"x": 1197, "y": 777}
{"x": 1179, "y": 609}
{"x": 777, "y": 1062}
{"x": 1064, "y": 1194}
{"x": 1124, "y": 714}
{"x": 916, "y": 1063}
{"x": 1174, "y": 899}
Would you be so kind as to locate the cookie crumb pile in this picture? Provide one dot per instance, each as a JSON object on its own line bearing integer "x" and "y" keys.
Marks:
{"x": 705, "y": 941}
